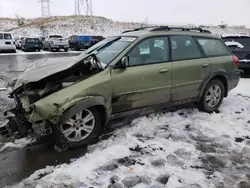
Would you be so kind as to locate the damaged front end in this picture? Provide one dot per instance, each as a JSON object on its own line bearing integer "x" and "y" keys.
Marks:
{"x": 26, "y": 94}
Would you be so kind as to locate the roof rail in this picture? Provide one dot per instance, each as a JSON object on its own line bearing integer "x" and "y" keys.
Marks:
{"x": 138, "y": 29}
{"x": 163, "y": 28}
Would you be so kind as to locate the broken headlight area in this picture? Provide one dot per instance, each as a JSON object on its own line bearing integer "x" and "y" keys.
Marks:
{"x": 28, "y": 94}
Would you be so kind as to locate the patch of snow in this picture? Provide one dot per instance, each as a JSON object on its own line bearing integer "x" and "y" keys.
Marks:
{"x": 244, "y": 60}
{"x": 233, "y": 43}
{"x": 19, "y": 52}
{"x": 235, "y": 35}
{"x": 19, "y": 143}
{"x": 185, "y": 148}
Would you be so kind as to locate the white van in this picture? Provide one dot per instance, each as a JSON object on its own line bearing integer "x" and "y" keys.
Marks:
{"x": 6, "y": 42}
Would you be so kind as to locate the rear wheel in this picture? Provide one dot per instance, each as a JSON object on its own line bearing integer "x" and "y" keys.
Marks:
{"x": 212, "y": 96}
{"x": 66, "y": 49}
{"x": 81, "y": 128}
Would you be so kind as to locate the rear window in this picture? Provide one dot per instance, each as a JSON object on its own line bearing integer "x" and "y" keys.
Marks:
{"x": 213, "y": 47}
{"x": 245, "y": 41}
{"x": 32, "y": 40}
{"x": 7, "y": 36}
{"x": 184, "y": 48}
{"x": 55, "y": 36}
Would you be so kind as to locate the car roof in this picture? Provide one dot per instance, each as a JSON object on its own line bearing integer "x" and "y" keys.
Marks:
{"x": 143, "y": 34}
{"x": 229, "y": 35}
{"x": 4, "y": 32}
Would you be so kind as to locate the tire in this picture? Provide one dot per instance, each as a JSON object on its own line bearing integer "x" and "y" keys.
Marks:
{"x": 66, "y": 49}
{"x": 212, "y": 89}
{"x": 13, "y": 51}
{"x": 87, "y": 138}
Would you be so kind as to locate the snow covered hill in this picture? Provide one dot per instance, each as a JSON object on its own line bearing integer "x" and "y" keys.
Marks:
{"x": 69, "y": 25}
{"x": 180, "y": 149}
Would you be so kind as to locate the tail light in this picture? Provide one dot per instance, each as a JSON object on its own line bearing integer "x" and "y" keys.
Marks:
{"x": 236, "y": 60}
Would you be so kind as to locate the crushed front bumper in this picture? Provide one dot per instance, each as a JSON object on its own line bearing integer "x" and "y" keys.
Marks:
{"x": 15, "y": 125}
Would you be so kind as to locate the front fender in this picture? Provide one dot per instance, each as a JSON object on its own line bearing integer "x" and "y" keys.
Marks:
{"x": 53, "y": 111}
{"x": 87, "y": 103}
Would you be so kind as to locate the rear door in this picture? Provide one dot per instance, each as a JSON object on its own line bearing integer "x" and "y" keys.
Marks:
{"x": 217, "y": 53}
{"x": 147, "y": 79}
{"x": 190, "y": 67}
{"x": 8, "y": 39}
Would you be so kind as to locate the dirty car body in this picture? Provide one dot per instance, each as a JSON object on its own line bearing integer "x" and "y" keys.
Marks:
{"x": 49, "y": 87}
{"x": 132, "y": 73}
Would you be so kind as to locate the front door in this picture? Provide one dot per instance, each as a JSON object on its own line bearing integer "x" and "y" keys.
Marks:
{"x": 190, "y": 68}
{"x": 147, "y": 79}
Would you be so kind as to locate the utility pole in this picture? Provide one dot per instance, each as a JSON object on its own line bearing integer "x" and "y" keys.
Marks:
{"x": 83, "y": 7}
{"x": 45, "y": 13}
{"x": 45, "y": 8}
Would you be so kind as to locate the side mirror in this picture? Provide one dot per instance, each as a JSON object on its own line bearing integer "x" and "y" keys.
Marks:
{"x": 123, "y": 63}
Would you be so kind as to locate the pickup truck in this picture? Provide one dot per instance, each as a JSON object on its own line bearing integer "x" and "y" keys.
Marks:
{"x": 55, "y": 42}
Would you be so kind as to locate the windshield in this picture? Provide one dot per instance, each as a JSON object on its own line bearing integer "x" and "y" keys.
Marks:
{"x": 101, "y": 43}
{"x": 245, "y": 41}
{"x": 108, "y": 49}
{"x": 55, "y": 36}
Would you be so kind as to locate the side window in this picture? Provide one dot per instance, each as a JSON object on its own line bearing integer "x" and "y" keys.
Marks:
{"x": 149, "y": 51}
{"x": 7, "y": 36}
{"x": 1, "y": 36}
{"x": 213, "y": 47}
{"x": 184, "y": 48}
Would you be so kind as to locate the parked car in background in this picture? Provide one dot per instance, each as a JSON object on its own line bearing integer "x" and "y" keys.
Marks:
{"x": 18, "y": 43}
{"x": 240, "y": 46}
{"x": 7, "y": 43}
{"x": 96, "y": 39}
{"x": 132, "y": 73}
{"x": 78, "y": 42}
{"x": 56, "y": 42}
{"x": 31, "y": 44}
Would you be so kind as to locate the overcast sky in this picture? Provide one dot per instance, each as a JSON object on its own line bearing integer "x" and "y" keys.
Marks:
{"x": 157, "y": 11}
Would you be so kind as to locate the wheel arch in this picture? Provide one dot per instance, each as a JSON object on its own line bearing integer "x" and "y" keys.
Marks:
{"x": 219, "y": 75}
{"x": 90, "y": 102}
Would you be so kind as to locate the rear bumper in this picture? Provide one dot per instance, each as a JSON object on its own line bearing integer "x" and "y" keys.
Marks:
{"x": 7, "y": 47}
{"x": 244, "y": 65}
{"x": 59, "y": 46}
{"x": 233, "y": 79}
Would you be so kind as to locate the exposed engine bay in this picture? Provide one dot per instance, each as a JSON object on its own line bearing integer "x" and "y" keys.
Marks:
{"x": 18, "y": 124}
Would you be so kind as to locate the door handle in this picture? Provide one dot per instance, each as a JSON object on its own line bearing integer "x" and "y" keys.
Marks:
{"x": 205, "y": 65}
{"x": 163, "y": 71}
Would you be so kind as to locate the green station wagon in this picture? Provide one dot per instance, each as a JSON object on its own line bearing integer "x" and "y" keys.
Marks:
{"x": 137, "y": 71}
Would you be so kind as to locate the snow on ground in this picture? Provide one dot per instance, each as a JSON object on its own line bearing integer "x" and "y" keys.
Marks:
{"x": 180, "y": 149}
{"x": 41, "y": 52}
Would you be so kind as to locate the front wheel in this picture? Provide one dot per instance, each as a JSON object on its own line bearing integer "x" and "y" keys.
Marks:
{"x": 212, "y": 96}
{"x": 81, "y": 128}
{"x": 66, "y": 49}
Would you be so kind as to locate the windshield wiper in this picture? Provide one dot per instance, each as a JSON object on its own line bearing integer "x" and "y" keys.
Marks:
{"x": 104, "y": 45}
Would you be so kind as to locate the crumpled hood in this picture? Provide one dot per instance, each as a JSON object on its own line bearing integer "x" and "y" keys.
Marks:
{"x": 45, "y": 67}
